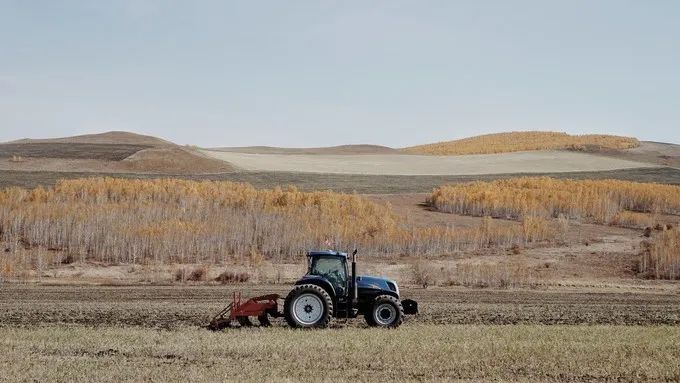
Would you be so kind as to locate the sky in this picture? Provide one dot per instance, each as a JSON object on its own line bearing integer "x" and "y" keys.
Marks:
{"x": 317, "y": 73}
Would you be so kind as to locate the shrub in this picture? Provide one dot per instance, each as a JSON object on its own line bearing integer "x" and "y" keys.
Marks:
{"x": 181, "y": 274}
{"x": 495, "y": 275}
{"x": 230, "y": 277}
{"x": 661, "y": 259}
{"x": 423, "y": 274}
{"x": 198, "y": 274}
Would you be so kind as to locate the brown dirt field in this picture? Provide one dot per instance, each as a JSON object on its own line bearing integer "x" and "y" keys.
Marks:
{"x": 648, "y": 152}
{"x": 364, "y": 184}
{"x": 108, "y": 152}
{"x": 177, "y": 306}
{"x": 113, "y": 152}
{"x": 158, "y": 161}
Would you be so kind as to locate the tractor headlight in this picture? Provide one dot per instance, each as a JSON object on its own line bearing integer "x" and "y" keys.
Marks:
{"x": 393, "y": 286}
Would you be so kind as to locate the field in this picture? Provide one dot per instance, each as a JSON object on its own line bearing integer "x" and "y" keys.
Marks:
{"x": 418, "y": 353}
{"x": 405, "y": 164}
{"x": 112, "y": 152}
{"x": 142, "y": 333}
{"x": 192, "y": 305}
{"x": 112, "y": 279}
{"x": 348, "y": 183}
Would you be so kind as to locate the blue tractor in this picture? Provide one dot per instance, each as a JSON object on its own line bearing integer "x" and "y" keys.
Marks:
{"x": 328, "y": 290}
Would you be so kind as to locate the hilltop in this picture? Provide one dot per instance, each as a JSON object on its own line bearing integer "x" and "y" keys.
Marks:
{"x": 113, "y": 137}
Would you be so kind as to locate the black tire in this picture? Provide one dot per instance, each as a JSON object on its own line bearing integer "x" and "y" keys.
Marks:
{"x": 368, "y": 316}
{"x": 306, "y": 292}
{"x": 386, "y": 311}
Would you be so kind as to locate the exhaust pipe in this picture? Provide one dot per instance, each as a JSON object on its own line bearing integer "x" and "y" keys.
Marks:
{"x": 355, "y": 290}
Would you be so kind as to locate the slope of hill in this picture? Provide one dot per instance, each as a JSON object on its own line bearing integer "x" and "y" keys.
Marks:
{"x": 173, "y": 160}
{"x": 112, "y": 152}
{"x": 657, "y": 153}
{"x": 524, "y": 141}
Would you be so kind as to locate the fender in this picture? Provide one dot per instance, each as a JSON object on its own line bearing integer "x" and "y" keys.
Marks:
{"x": 321, "y": 282}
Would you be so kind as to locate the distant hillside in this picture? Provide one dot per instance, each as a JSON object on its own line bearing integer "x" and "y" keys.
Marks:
{"x": 114, "y": 137}
{"x": 524, "y": 141}
{"x": 341, "y": 149}
{"x": 111, "y": 152}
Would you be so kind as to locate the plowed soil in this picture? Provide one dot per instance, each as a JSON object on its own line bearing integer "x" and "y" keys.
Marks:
{"x": 181, "y": 306}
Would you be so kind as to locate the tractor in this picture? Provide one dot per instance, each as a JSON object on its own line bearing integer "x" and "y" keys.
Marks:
{"x": 326, "y": 291}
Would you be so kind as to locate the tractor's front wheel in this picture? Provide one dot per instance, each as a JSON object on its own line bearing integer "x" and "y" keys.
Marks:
{"x": 386, "y": 311}
{"x": 308, "y": 306}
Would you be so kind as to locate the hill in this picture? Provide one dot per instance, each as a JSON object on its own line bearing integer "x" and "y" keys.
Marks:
{"x": 524, "y": 141}
{"x": 111, "y": 152}
{"x": 113, "y": 137}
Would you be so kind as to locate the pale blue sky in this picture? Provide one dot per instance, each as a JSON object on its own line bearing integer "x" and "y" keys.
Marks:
{"x": 308, "y": 73}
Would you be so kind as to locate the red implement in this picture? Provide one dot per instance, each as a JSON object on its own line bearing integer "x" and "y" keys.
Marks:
{"x": 239, "y": 311}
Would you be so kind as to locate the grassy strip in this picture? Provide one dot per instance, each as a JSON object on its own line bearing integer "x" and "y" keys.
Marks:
{"x": 366, "y": 184}
{"x": 417, "y": 352}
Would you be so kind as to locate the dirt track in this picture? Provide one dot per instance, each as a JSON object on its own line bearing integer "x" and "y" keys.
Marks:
{"x": 177, "y": 306}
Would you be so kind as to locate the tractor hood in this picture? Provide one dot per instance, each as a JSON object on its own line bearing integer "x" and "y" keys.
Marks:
{"x": 377, "y": 283}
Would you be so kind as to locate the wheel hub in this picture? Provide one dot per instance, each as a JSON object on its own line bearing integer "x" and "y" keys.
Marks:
{"x": 385, "y": 314}
{"x": 307, "y": 309}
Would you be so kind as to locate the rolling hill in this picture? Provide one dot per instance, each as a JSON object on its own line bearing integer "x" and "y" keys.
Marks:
{"x": 524, "y": 141}
{"x": 111, "y": 152}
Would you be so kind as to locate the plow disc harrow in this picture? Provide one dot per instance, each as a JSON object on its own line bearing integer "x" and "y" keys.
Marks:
{"x": 240, "y": 311}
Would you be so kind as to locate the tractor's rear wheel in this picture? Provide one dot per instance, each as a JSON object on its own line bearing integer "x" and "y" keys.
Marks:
{"x": 308, "y": 306}
{"x": 386, "y": 311}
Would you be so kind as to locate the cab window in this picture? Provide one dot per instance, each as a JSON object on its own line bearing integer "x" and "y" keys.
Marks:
{"x": 331, "y": 268}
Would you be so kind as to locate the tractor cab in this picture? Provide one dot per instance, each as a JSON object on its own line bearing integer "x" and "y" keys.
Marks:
{"x": 330, "y": 266}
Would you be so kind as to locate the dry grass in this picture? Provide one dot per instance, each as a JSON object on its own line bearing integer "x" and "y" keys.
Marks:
{"x": 513, "y": 273}
{"x": 606, "y": 201}
{"x": 661, "y": 259}
{"x": 524, "y": 141}
{"x": 411, "y": 353}
{"x": 174, "y": 221}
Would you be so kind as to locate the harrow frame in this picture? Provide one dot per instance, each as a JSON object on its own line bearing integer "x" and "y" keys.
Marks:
{"x": 239, "y": 311}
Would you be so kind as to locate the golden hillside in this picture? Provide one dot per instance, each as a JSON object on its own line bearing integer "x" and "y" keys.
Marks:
{"x": 524, "y": 141}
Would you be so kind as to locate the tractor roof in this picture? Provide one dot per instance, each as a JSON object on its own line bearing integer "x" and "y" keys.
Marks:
{"x": 326, "y": 253}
